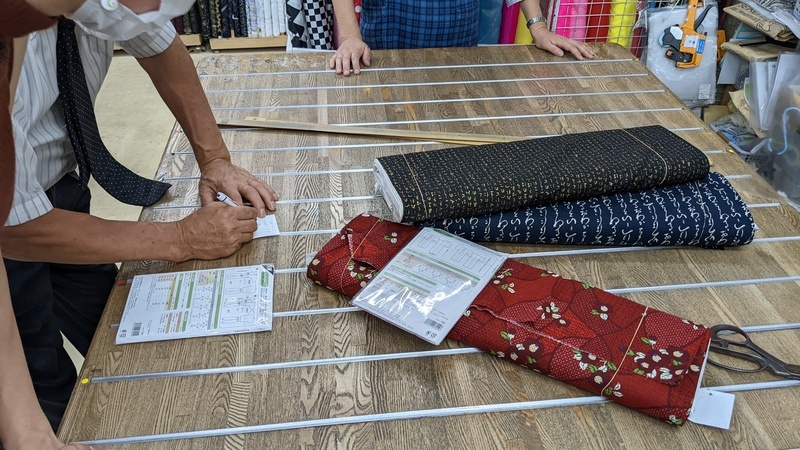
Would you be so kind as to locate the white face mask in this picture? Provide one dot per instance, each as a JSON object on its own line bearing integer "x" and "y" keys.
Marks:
{"x": 113, "y": 21}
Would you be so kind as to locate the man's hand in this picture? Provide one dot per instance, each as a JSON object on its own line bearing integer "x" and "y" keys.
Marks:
{"x": 544, "y": 39}
{"x": 351, "y": 52}
{"x": 215, "y": 231}
{"x": 220, "y": 175}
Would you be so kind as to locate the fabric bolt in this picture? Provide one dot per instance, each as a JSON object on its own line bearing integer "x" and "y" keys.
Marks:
{"x": 478, "y": 180}
{"x": 523, "y": 33}
{"x": 489, "y": 21}
{"x": 297, "y": 34}
{"x": 233, "y": 11}
{"x": 597, "y": 22}
{"x": 508, "y": 24}
{"x": 204, "y": 15}
{"x": 91, "y": 154}
{"x": 420, "y": 24}
{"x": 178, "y": 24}
{"x": 706, "y": 213}
{"x": 224, "y": 18}
{"x": 187, "y": 22}
{"x": 214, "y": 16}
{"x": 623, "y": 16}
{"x": 319, "y": 22}
{"x": 243, "y": 18}
{"x": 578, "y": 10}
{"x": 253, "y": 13}
{"x": 636, "y": 356}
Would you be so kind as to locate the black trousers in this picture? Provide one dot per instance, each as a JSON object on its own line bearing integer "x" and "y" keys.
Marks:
{"x": 50, "y": 299}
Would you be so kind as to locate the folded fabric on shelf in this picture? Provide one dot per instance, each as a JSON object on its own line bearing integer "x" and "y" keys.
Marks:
{"x": 705, "y": 213}
{"x": 477, "y": 180}
{"x": 637, "y": 356}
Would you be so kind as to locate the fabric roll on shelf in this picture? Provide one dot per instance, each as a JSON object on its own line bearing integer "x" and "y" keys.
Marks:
{"x": 623, "y": 17}
{"x": 705, "y": 213}
{"x": 508, "y": 23}
{"x": 523, "y": 33}
{"x": 489, "y": 21}
{"x": 608, "y": 345}
{"x": 478, "y": 180}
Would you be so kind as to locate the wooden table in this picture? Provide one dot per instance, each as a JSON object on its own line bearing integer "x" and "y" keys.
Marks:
{"x": 328, "y": 376}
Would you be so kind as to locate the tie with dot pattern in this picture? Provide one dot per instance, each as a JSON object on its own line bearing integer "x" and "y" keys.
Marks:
{"x": 91, "y": 154}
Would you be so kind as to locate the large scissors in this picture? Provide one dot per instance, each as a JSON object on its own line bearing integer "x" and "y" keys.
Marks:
{"x": 721, "y": 343}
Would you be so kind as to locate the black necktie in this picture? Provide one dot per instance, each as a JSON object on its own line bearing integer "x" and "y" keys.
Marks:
{"x": 91, "y": 154}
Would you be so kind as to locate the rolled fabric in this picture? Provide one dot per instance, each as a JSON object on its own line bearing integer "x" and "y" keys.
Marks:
{"x": 623, "y": 16}
{"x": 523, "y": 33}
{"x": 597, "y": 21}
{"x": 705, "y": 213}
{"x": 579, "y": 9}
{"x": 508, "y": 23}
{"x": 491, "y": 16}
{"x": 636, "y": 356}
{"x": 478, "y": 180}
{"x": 563, "y": 18}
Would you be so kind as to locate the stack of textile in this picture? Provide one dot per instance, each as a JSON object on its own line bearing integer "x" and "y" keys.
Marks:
{"x": 235, "y": 18}
{"x": 639, "y": 186}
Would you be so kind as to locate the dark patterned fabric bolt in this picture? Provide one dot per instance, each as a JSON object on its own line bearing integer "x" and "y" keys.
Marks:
{"x": 471, "y": 181}
{"x": 705, "y": 213}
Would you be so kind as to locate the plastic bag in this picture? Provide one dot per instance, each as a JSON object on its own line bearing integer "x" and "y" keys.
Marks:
{"x": 784, "y": 137}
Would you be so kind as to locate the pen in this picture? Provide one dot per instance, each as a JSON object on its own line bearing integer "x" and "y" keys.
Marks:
{"x": 225, "y": 199}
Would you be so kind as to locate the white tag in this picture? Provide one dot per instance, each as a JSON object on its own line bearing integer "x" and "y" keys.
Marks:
{"x": 267, "y": 226}
{"x": 704, "y": 92}
{"x": 712, "y": 408}
{"x": 690, "y": 42}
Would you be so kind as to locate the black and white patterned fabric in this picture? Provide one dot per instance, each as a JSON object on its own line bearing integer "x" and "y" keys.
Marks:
{"x": 310, "y": 24}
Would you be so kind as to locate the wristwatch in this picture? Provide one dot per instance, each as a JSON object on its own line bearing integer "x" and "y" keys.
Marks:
{"x": 536, "y": 19}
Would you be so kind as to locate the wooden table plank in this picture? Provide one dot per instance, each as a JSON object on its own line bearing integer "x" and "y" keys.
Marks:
{"x": 341, "y": 387}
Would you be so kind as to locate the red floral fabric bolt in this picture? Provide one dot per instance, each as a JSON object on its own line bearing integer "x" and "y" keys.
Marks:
{"x": 636, "y": 356}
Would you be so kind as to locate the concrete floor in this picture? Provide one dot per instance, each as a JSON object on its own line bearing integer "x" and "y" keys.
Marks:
{"x": 135, "y": 125}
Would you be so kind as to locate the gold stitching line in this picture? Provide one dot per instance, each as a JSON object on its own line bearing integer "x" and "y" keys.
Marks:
{"x": 419, "y": 189}
{"x": 341, "y": 278}
{"x": 630, "y": 344}
{"x": 666, "y": 166}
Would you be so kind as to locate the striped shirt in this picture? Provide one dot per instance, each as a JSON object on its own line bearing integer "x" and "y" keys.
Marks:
{"x": 44, "y": 153}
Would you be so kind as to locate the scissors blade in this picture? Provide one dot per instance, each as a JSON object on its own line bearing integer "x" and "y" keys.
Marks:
{"x": 793, "y": 370}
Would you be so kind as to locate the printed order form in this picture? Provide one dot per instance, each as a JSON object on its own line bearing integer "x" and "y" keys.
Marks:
{"x": 428, "y": 285}
{"x": 198, "y": 303}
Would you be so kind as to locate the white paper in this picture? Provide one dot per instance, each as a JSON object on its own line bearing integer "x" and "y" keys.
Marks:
{"x": 267, "y": 226}
{"x": 712, "y": 408}
{"x": 428, "y": 285}
{"x": 178, "y": 305}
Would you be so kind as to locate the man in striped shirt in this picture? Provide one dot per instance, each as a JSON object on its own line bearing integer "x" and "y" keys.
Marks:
{"x": 60, "y": 258}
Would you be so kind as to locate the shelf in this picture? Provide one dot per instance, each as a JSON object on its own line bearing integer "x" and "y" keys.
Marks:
{"x": 247, "y": 42}
{"x": 189, "y": 40}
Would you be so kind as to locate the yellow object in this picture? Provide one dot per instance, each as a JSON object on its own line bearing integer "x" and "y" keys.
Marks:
{"x": 620, "y": 27}
{"x": 720, "y": 40}
{"x": 85, "y": 381}
{"x": 523, "y": 33}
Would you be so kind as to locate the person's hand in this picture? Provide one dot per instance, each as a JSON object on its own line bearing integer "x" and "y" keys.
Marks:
{"x": 220, "y": 175}
{"x": 351, "y": 52}
{"x": 215, "y": 231}
{"x": 546, "y": 40}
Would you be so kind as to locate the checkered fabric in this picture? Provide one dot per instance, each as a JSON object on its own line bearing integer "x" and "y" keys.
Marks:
{"x": 396, "y": 24}
{"x": 319, "y": 24}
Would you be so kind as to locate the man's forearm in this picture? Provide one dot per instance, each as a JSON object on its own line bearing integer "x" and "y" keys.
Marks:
{"x": 175, "y": 78}
{"x": 74, "y": 238}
